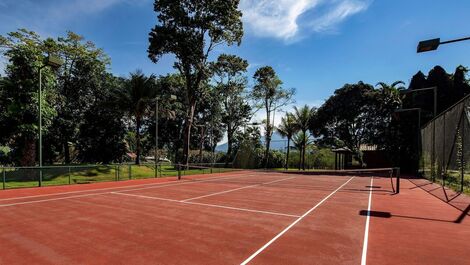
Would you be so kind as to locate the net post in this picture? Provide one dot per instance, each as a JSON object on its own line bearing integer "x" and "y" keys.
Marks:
{"x": 4, "y": 178}
{"x": 398, "y": 180}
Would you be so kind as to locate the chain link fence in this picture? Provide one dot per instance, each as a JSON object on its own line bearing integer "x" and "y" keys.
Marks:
{"x": 24, "y": 177}
{"x": 445, "y": 148}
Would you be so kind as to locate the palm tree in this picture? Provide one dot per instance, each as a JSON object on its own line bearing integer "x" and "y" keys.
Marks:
{"x": 300, "y": 140}
{"x": 302, "y": 118}
{"x": 287, "y": 129}
{"x": 398, "y": 85}
{"x": 134, "y": 98}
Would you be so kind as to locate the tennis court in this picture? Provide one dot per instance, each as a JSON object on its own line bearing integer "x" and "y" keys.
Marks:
{"x": 239, "y": 217}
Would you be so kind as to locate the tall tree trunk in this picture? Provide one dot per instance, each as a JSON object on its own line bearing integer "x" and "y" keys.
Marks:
{"x": 28, "y": 152}
{"x": 187, "y": 132}
{"x": 65, "y": 145}
{"x": 229, "y": 145}
{"x": 268, "y": 136}
{"x": 288, "y": 149}
{"x": 201, "y": 144}
{"x": 303, "y": 156}
{"x": 137, "y": 136}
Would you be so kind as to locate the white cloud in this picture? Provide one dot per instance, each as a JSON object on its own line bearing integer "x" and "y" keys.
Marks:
{"x": 289, "y": 19}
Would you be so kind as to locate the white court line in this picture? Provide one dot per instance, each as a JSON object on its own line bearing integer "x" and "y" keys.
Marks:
{"x": 291, "y": 225}
{"x": 124, "y": 190}
{"x": 241, "y": 188}
{"x": 205, "y": 204}
{"x": 145, "y": 197}
{"x": 120, "y": 187}
{"x": 366, "y": 230}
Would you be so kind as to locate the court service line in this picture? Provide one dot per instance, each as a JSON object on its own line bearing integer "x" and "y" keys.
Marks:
{"x": 152, "y": 185}
{"x": 293, "y": 224}
{"x": 366, "y": 230}
{"x": 241, "y": 188}
{"x": 101, "y": 193}
{"x": 206, "y": 204}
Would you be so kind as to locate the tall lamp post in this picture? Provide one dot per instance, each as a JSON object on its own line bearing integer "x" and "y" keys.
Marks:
{"x": 433, "y": 44}
{"x": 157, "y": 156}
{"x": 54, "y": 62}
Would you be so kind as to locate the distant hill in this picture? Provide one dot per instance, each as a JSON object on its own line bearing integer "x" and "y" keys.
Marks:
{"x": 277, "y": 143}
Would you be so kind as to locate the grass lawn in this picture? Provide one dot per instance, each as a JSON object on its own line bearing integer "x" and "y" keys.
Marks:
{"x": 53, "y": 176}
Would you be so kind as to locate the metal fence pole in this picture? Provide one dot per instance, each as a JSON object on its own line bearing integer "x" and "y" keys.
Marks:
{"x": 118, "y": 172}
{"x": 462, "y": 157}
{"x": 130, "y": 171}
{"x": 4, "y": 178}
{"x": 70, "y": 175}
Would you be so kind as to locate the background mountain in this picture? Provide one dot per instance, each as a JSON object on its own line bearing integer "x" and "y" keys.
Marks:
{"x": 277, "y": 143}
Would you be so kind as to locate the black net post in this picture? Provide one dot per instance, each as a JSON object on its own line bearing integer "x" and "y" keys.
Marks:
{"x": 397, "y": 175}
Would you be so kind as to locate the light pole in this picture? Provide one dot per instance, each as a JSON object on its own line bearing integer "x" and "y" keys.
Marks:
{"x": 53, "y": 62}
{"x": 157, "y": 156}
{"x": 433, "y": 44}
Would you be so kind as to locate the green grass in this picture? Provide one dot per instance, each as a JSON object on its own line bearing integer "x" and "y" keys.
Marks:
{"x": 453, "y": 180}
{"x": 22, "y": 178}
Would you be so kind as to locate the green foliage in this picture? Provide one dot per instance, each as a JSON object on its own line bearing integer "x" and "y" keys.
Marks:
{"x": 315, "y": 158}
{"x": 190, "y": 30}
{"x": 18, "y": 124}
{"x": 303, "y": 117}
{"x": 269, "y": 94}
{"x": 356, "y": 114}
{"x": 134, "y": 99}
{"x": 229, "y": 74}
{"x": 101, "y": 133}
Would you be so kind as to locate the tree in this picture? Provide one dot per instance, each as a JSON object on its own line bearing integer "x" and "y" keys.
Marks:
{"x": 345, "y": 116}
{"x": 229, "y": 74}
{"x": 80, "y": 80}
{"x": 101, "y": 133}
{"x": 269, "y": 94}
{"x": 302, "y": 119}
{"x": 134, "y": 99}
{"x": 25, "y": 52}
{"x": 287, "y": 129}
{"x": 190, "y": 30}
{"x": 300, "y": 142}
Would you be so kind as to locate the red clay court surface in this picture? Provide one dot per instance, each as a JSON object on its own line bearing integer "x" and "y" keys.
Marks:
{"x": 233, "y": 218}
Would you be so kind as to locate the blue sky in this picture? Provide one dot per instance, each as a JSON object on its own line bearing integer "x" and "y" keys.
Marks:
{"x": 316, "y": 46}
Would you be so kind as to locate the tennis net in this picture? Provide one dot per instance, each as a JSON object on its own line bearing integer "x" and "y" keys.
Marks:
{"x": 388, "y": 178}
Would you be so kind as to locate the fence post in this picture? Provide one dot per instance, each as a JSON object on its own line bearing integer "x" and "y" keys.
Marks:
{"x": 178, "y": 168}
{"x": 130, "y": 171}
{"x": 70, "y": 176}
{"x": 462, "y": 162}
{"x": 4, "y": 177}
{"x": 156, "y": 171}
{"x": 119, "y": 172}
